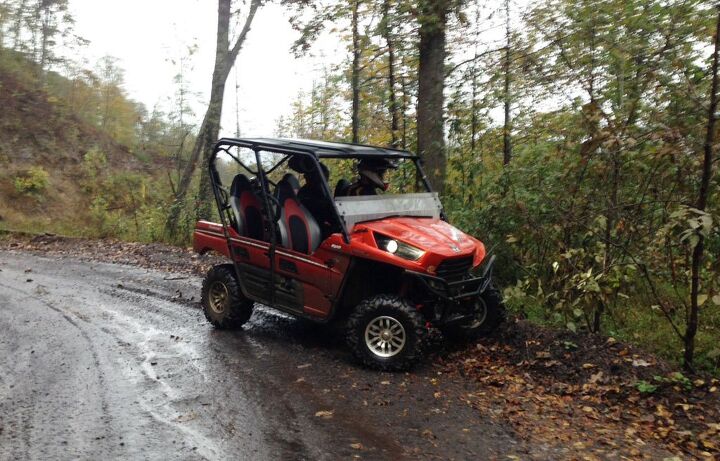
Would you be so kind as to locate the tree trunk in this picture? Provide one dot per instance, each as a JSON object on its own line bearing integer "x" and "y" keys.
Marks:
{"x": 507, "y": 146}
{"x": 45, "y": 35}
{"x": 403, "y": 111}
{"x": 392, "y": 97}
{"x": 355, "y": 75}
{"x": 17, "y": 26}
{"x": 431, "y": 83}
{"x": 704, "y": 193}
{"x": 210, "y": 127}
{"x": 211, "y": 133}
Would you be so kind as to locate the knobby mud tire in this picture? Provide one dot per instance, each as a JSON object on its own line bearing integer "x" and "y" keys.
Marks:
{"x": 236, "y": 309}
{"x": 387, "y": 305}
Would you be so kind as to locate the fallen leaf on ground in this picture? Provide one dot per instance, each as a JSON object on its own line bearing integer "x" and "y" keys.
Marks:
{"x": 186, "y": 417}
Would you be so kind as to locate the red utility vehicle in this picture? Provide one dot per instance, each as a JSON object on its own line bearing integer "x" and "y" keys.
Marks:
{"x": 385, "y": 266}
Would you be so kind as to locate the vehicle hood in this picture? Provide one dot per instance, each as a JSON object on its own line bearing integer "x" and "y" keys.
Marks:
{"x": 432, "y": 235}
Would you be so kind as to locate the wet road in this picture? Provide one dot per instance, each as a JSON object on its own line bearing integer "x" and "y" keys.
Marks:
{"x": 109, "y": 361}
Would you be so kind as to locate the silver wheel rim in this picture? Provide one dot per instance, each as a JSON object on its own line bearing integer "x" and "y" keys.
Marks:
{"x": 385, "y": 336}
{"x": 218, "y": 297}
{"x": 480, "y": 317}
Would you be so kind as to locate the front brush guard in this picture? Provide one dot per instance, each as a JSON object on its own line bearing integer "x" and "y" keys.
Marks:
{"x": 450, "y": 295}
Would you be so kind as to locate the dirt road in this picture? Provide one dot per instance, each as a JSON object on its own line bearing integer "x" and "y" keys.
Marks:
{"x": 111, "y": 361}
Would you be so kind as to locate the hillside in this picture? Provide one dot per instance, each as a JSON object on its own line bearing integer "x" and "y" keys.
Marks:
{"x": 59, "y": 160}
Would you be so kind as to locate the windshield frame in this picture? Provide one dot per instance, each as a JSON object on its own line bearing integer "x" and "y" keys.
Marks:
{"x": 364, "y": 208}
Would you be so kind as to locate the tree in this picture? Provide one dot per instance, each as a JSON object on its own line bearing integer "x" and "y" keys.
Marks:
{"x": 317, "y": 115}
{"x": 5, "y": 12}
{"x": 702, "y": 203}
{"x": 42, "y": 23}
{"x": 431, "y": 85}
{"x": 507, "y": 146}
{"x": 225, "y": 56}
{"x": 48, "y": 12}
{"x": 355, "y": 72}
{"x": 393, "y": 106}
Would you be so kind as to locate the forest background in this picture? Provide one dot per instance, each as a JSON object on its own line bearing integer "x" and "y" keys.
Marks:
{"x": 576, "y": 138}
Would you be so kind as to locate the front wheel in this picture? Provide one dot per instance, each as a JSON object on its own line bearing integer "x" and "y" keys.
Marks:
{"x": 222, "y": 300}
{"x": 488, "y": 316}
{"x": 386, "y": 332}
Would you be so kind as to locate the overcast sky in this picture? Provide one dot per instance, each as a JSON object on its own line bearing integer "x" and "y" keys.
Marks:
{"x": 146, "y": 34}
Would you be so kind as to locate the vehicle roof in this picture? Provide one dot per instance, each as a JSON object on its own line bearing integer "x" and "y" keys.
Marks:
{"x": 321, "y": 149}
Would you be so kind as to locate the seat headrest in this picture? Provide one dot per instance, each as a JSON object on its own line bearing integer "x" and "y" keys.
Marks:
{"x": 240, "y": 184}
{"x": 292, "y": 180}
{"x": 287, "y": 188}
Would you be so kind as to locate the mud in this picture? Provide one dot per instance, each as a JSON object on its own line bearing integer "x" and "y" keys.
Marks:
{"x": 112, "y": 361}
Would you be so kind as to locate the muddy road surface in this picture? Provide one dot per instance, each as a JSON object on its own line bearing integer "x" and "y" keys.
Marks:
{"x": 112, "y": 361}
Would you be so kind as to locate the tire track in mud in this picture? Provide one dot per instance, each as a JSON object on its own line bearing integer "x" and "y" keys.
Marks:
{"x": 97, "y": 371}
{"x": 177, "y": 388}
{"x": 151, "y": 388}
{"x": 292, "y": 442}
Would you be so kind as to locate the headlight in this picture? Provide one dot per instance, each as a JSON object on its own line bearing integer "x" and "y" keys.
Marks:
{"x": 397, "y": 248}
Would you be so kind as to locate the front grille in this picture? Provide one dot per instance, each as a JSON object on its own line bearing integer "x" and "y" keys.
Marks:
{"x": 454, "y": 269}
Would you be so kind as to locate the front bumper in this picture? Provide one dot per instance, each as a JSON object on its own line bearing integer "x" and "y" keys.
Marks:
{"x": 454, "y": 302}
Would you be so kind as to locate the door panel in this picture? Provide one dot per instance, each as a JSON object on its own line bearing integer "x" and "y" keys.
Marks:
{"x": 255, "y": 280}
{"x": 320, "y": 274}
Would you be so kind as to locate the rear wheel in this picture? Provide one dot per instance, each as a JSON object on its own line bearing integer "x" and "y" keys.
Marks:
{"x": 386, "y": 332}
{"x": 489, "y": 314}
{"x": 221, "y": 299}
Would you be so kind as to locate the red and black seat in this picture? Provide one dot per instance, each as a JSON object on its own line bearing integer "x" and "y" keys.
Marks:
{"x": 299, "y": 230}
{"x": 290, "y": 179}
{"x": 247, "y": 208}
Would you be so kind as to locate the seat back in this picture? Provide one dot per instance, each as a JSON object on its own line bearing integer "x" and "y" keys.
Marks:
{"x": 298, "y": 229}
{"x": 247, "y": 208}
{"x": 290, "y": 179}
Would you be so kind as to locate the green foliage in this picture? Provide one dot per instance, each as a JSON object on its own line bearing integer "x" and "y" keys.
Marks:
{"x": 592, "y": 220}
{"x": 93, "y": 167}
{"x": 645, "y": 387}
{"x": 33, "y": 181}
{"x": 680, "y": 379}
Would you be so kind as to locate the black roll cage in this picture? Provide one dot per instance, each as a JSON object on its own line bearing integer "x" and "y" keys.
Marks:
{"x": 309, "y": 149}
{"x": 314, "y": 150}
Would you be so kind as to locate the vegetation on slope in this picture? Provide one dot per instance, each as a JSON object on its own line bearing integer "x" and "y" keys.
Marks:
{"x": 78, "y": 157}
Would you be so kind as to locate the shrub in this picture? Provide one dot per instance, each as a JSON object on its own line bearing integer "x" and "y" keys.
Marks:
{"x": 93, "y": 169}
{"x": 34, "y": 181}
